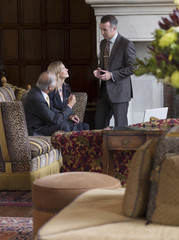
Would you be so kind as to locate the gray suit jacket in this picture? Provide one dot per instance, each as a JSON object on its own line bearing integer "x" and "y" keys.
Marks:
{"x": 121, "y": 64}
{"x": 39, "y": 115}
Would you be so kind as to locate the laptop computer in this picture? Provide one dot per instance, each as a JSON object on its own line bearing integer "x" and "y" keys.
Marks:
{"x": 160, "y": 113}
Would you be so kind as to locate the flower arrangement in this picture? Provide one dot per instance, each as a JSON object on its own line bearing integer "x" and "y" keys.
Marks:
{"x": 164, "y": 50}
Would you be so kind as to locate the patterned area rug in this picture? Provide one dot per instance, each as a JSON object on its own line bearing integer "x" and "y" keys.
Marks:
{"x": 16, "y": 228}
{"x": 15, "y": 198}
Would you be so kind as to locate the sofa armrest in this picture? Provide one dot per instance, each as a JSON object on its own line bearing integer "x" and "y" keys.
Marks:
{"x": 92, "y": 208}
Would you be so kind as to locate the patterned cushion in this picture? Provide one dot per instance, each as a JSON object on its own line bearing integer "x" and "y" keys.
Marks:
{"x": 40, "y": 145}
{"x": 33, "y": 164}
{"x": 44, "y": 160}
{"x": 166, "y": 197}
{"x": 164, "y": 194}
{"x": 6, "y": 94}
{"x": 19, "y": 93}
{"x": 138, "y": 184}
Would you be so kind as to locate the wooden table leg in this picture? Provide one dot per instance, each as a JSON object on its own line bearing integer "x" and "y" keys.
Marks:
{"x": 108, "y": 157}
{"x": 110, "y": 163}
{"x": 105, "y": 154}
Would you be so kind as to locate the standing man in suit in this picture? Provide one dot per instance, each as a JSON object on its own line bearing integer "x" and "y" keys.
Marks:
{"x": 42, "y": 118}
{"x": 117, "y": 58}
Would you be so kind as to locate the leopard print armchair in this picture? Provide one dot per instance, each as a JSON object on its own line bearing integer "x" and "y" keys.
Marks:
{"x": 80, "y": 105}
{"x": 23, "y": 158}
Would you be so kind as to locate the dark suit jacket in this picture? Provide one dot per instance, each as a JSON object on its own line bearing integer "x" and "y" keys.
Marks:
{"x": 121, "y": 64}
{"x": 39, "y": 115}
{"x": 55, "y": 99}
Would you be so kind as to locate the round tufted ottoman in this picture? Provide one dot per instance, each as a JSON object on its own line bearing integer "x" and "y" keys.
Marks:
{"x": 52, "y": 193}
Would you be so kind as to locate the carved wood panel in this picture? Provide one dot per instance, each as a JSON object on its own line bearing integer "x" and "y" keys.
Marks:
{"x": 34, "y": 33}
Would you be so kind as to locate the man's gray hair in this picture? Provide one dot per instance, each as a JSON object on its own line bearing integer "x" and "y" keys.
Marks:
{"x": 45, "y": 80}
{"x": 110, "y": 18}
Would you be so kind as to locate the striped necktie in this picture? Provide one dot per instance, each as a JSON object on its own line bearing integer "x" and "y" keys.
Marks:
{"x": 106, "y": 54}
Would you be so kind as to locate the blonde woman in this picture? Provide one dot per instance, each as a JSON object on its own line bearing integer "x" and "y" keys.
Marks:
{"x": 61, "y": 98}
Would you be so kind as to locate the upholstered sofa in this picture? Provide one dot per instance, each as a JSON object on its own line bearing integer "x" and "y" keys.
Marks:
{"x": 22, "y": 158}
{"x": 25, "y": 158}
{"x": 148, "y": 208}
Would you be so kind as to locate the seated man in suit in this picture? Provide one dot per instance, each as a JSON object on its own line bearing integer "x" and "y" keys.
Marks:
{"x": 42, "y": 118}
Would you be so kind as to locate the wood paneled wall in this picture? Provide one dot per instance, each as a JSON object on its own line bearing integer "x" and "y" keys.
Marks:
{"x": 34, "y": 33}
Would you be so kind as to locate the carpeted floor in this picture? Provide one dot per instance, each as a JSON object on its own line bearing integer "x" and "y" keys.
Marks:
{"x": 15, "y": 198}
{"x": 16, "y": 228}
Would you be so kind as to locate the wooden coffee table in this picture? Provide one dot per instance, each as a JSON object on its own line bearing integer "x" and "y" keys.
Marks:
{"x": 125, "y": 139}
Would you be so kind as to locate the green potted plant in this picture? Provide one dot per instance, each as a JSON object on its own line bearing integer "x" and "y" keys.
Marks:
{"x": 163, "y": 62}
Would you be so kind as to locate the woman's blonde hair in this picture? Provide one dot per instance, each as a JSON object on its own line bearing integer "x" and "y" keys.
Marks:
{"x": 55, "y": 67}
